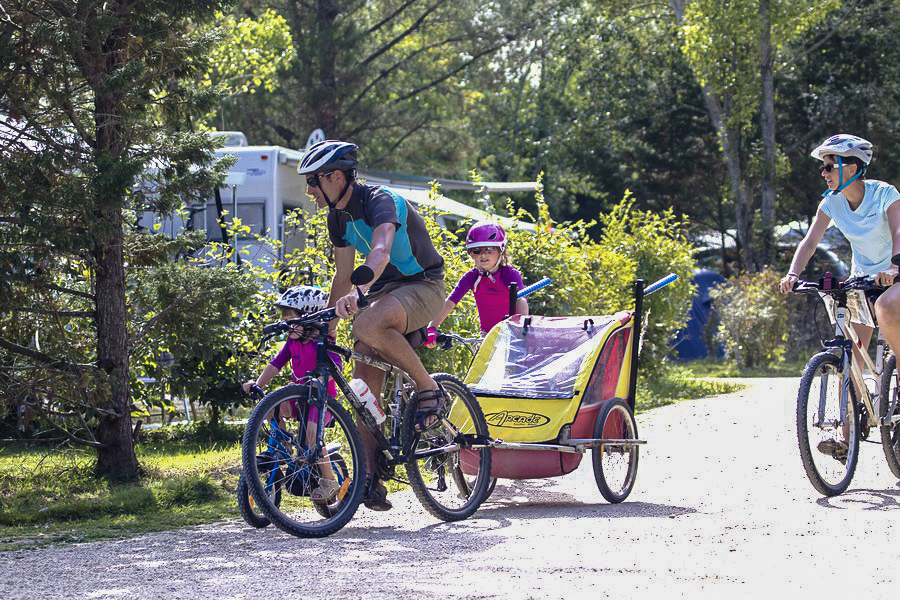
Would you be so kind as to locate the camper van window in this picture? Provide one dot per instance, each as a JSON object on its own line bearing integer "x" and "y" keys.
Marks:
{"x": 251, "y": 214}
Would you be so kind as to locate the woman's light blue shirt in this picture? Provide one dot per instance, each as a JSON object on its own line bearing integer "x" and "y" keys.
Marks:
{"x": 866, "y": 228}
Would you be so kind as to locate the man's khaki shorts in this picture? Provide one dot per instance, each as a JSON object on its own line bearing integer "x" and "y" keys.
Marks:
{"x": 422, "y": 300}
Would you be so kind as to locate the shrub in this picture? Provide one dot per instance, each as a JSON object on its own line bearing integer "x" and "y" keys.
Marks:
{"x": 753, "y": 318}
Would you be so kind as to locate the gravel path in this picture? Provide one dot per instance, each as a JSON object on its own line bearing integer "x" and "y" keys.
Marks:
{"x": 721, "y": 506}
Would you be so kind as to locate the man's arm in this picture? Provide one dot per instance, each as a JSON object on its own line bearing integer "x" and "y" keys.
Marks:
{"x": 380, "y": 254}
{"x": 340, "y": 283}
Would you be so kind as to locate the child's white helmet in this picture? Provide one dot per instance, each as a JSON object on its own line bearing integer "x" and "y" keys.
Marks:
{"x": 304, "y": 299}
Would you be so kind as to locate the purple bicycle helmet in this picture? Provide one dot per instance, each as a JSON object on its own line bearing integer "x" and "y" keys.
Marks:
{"x": 483, "y": 234}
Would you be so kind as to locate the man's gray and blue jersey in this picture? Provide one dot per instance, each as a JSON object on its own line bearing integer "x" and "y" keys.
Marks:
{"x": 413, "y": 256}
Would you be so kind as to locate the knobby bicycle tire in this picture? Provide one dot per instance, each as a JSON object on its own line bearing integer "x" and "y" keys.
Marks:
{"x": 296, "y": 502}
{"x": 436, "y": 480}
{"x": 890, "y": 434}
{"x": 246, "y": 505}
{"x": 817, "y": 366}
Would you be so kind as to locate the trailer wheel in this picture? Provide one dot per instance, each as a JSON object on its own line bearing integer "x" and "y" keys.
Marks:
{"x": 615, "y": 465}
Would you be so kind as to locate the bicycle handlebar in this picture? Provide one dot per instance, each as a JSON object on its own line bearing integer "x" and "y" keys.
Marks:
{"x": 829, "y": 284}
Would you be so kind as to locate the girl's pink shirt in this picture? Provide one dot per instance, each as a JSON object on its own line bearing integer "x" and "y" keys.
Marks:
{"x": 491, "y": 293}
{"x": 303, "y": 360}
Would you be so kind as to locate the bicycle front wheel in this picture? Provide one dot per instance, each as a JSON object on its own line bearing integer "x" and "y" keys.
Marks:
{"x": 449, "y": 477}
{"x": 828, "y": 440}
{"x": 275, "y": 457}
{"x": 890, "y": 433}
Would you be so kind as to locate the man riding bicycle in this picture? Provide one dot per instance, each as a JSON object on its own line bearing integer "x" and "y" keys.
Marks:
{"x": 866, "y": 211}
{"x": 406, "y": 292}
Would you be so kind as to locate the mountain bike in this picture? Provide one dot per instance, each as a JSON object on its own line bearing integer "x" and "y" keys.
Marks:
{"x": 447, "y": 466}
{"x": 835, "y": 406}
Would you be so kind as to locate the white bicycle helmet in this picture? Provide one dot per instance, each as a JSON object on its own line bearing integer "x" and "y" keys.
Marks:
{"x": 329, "y": 155}
{"x": 846, "y": 145}
{"x": 304, "y": 299}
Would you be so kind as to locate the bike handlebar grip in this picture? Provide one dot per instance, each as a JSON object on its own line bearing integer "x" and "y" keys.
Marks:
{"x": 256, "y": 392}
{"x": 361, "y": 300}
{"x": 272, "y": 328}
{"x": 535, "y": 287}
{"x": 660, "y": 284}
{"x": 895, "y": 259}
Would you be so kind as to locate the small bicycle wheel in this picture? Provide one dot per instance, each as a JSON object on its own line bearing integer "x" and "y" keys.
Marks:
{"x": 247, "y": 505}
{"x": 615, "y": 465}
{"x": 449, "y": 478}
{"x": 890, "y": 433}
{"x": 828, "y": 441}
{"x": 274, "y": 454}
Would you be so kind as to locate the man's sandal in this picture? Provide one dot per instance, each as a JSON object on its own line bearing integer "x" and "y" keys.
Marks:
{"x": 438, "y": 401}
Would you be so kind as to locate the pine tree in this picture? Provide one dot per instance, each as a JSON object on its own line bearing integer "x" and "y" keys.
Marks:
{"x": 94, "y": 128}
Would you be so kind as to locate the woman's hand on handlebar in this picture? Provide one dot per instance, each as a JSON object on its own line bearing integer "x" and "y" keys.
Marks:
{"x": 886, "y": 278}
{"x": 788, "y": 282}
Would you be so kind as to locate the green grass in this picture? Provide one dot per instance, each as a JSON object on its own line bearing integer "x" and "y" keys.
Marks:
{"x": 675, "y": 383}
{"x": 720, "y": 368}
{"x": 54, "y": 497}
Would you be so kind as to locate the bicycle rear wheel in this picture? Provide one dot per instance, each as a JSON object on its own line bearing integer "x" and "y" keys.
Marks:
{"x": 615, "y": 465}
{"x": 449, "y": 479}
{"x": 247, "y": 505}
{"x": 890, "y": 434}
{"x": 829, "y": 444}
{"x": 274, "y": 455}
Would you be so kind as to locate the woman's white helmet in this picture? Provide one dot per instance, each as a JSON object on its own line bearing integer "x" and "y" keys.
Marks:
{"x": 846, "y": 145}
{"x": 304, "y": 299}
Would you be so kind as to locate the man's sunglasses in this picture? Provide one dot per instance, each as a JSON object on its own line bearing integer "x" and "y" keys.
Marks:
{"x": 313, "y": 181}
{"x": 477, "y": 251}
{"x": 831, "y": 167}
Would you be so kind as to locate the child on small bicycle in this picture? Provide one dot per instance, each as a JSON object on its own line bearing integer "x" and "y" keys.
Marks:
{"x": 489, "y": 280}
{"x": 294, "y": 303}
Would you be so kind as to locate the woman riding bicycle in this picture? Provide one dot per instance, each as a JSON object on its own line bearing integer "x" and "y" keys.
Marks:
{"x": 866, "y": 211}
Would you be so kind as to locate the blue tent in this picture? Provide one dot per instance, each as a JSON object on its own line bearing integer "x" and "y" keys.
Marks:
{"x": 690, "y": 342}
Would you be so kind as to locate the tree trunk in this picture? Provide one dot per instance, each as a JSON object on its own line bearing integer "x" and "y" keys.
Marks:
{"x": 767, "y": 127}
{"x": 729, "y": 137}
{"x": 115, "y": 458}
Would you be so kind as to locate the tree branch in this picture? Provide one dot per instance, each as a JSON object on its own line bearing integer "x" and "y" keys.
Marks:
{"x": 71, "y": 436}
{"x": 418, "y": 22}
{"x": 384, "y": 73}
{"x": 822, "y": 40}
{"x": 387, "y": 19}
{"x": 448, "y": 75}
{"x": 149, "y": 324}
{"x": 46, "y": 360}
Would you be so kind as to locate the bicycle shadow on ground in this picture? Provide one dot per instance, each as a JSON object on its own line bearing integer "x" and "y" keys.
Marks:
{"x": 863, "y": 499}
{"x": 536, "y": 499}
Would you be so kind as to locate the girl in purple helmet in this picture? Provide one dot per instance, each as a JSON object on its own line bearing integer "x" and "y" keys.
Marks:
{"x": 489, "y": 280}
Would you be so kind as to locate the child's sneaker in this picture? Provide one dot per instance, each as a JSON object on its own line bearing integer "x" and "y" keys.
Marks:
{"x": 326, "y": 493}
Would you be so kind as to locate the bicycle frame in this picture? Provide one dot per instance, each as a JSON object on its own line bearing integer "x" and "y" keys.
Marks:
{"x": 845, "y": 339}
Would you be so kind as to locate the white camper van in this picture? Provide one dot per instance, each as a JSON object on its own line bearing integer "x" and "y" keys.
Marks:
{"x": 263, "y": 185}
